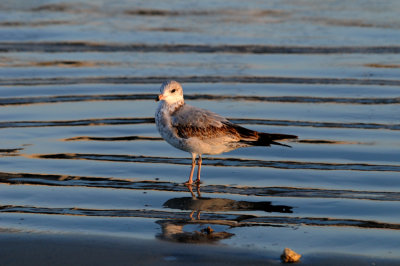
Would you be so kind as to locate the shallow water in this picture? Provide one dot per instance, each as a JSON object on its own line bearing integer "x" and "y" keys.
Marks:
{"x": 80, "y": 152}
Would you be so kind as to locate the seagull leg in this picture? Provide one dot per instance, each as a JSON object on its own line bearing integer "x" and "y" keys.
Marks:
{"x": 198, "y": 170}
{"x": 190, "y": 181}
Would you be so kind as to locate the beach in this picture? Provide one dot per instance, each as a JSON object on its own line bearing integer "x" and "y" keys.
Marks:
{"x": 53, "y": 249}
{"x": 86, "y": 178}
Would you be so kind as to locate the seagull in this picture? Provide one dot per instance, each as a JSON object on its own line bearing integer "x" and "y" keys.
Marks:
{"x": 199, "y": 131}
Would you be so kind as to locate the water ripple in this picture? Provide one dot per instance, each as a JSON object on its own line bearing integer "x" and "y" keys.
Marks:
{"x": 208, "y": 97}
{"x": 197, "y": 79}
{"x": 60, "y": 47}
{"x": 224, "y": 162}
{"x": 150, "y": 120}
{"x": 233, "y": 220}
{"x": 115, "y": 183}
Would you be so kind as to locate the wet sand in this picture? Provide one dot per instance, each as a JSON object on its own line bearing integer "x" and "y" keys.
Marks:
{"x": 66, "y": 249}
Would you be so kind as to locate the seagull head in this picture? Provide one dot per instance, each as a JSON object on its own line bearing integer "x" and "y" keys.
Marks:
{"x": 171, "y": 92}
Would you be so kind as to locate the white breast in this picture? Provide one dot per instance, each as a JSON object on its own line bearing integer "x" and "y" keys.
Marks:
{"x": 164, "y": 126}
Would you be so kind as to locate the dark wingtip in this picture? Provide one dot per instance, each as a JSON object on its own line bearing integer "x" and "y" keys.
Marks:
{"x": 271, "y": 138}
{"x": 282, "y": 136}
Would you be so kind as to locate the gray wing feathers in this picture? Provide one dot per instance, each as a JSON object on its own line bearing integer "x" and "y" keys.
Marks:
{"x": 191, "y": 121}
{"x": 196, "y": 117}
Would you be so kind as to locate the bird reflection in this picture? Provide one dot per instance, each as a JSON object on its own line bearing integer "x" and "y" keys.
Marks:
{"x": 190, "y": 187}
{"x": 173, "y": 230}
{"x": 199, "y": 204}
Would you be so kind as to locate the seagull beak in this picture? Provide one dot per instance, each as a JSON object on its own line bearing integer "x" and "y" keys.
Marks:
{"x": 159, "y": 97}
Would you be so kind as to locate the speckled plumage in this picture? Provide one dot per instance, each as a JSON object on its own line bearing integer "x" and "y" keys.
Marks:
{"x": 200, "y": 131}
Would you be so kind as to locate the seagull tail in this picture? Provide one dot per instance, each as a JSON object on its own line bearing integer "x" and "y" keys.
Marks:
{"x": 266, "y": 139}
{"x": 256, "y": 138}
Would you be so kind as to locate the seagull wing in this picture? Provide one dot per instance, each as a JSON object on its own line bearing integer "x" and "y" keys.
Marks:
{"x": 189, "y": 121}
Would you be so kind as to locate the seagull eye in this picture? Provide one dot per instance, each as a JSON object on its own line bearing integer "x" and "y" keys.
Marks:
{"x": 173, "y": 91}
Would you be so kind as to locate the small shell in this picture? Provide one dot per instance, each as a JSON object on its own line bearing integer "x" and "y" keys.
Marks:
{"x": 289, "y": 256}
